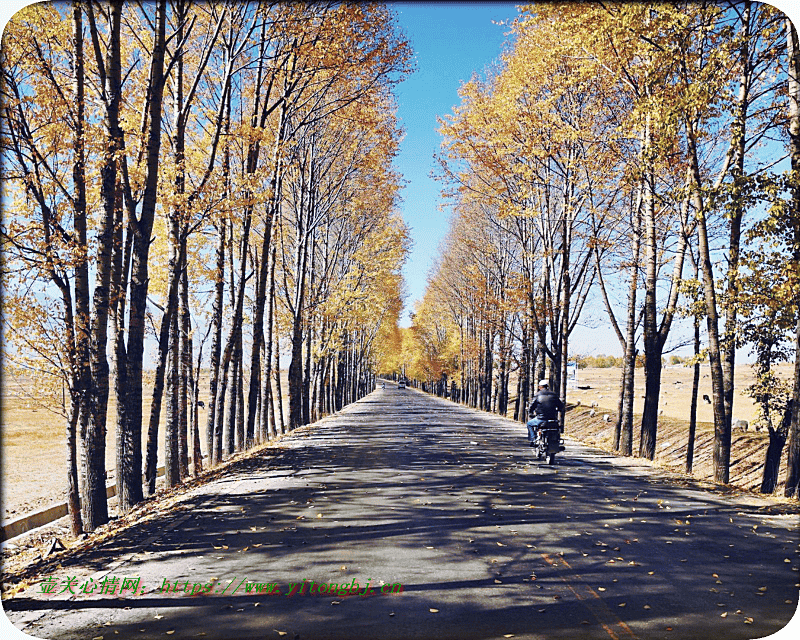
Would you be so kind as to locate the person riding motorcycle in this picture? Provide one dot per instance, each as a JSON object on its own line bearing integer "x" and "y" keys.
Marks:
{"x": 546, "y": 406}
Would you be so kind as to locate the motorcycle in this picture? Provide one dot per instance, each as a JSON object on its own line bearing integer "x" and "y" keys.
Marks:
{"x": 548, "y": 441}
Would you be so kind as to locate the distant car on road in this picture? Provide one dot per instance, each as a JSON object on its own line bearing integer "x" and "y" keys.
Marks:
{"x": 401, "y": 385}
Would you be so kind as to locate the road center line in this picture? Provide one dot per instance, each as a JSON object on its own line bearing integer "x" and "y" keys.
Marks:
{"x": 593, "y": 602}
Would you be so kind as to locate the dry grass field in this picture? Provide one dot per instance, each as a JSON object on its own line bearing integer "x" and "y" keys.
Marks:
{"x": 747, "y": 448}
{"x": 33, "y": 451}
{"x": 676, "y": 390}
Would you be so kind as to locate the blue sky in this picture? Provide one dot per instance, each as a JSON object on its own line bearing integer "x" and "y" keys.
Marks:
{"x": 451, "y": 40}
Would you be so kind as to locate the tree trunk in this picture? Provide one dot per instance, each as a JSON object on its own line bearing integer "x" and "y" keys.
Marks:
{"x": 233, "y": 397}
{"x": 155, "y": 404}
{"x": 652, "y": 352}
{"x": 240, "y": 417}
{"x": 735, "y": 215}
{"x": 267, "y": 394}
{"x": 197, "y": 452}
{"x": 142, "y": 237}
{"x": 186, "y": 366}
{"x": 82, "y": 371}
{"x": 695, "y": 390}
{"x": 118, "y": 287}
{"x": 216, "y": 343}
{"x": 793, "y": 51}
{"x": 94, "y": 503}
{"x": 171, "y": 444}
{"x": 772, "y": 460}
{"x": 629, "y": 358}
{"x": 278, "y": 390}
{"x": 722, "y": 422}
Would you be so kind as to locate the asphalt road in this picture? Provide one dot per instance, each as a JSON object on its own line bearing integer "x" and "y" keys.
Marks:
{"x": 441, "y": 524}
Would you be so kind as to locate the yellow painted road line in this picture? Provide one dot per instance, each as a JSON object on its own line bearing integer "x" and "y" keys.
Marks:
{"x": 615, "y": 627}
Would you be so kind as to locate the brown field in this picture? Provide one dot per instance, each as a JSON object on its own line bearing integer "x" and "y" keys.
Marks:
{"x": 676, "y": 391}
{"x": 33, "y": 451}
{"x": 748, "y": 449}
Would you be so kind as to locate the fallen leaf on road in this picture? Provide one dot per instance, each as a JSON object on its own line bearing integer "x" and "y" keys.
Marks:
{"x": 170, "y": 632}
{"x": 433, "y": 610}
{"x": 748, "y": 621}
{"x": 500, "y": 544}
{"x": 158, "y": 617}
{"x": 723, "y": 615}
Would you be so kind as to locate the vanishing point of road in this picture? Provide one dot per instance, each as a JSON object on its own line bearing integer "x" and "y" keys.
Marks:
{"x": 450, "y": 528}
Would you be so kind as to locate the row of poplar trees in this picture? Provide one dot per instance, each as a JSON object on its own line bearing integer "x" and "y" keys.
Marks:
{"x": 180, "y": 175}
{"x": 641, "y": 158}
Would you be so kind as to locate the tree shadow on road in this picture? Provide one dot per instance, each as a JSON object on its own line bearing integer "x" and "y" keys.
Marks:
{"x": 485, "y": 541}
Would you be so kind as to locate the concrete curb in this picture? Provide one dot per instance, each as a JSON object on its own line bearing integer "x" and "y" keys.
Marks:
{"x": 49, "y": 514}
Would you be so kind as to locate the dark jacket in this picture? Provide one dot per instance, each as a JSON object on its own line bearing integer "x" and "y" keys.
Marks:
{"x": 546, "y": 405}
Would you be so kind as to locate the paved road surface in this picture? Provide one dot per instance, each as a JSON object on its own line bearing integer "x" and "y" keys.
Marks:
{"x": 405, "y": 489}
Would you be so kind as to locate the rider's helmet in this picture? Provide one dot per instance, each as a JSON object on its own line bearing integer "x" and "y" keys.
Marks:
{"x": 544, "y": 383}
